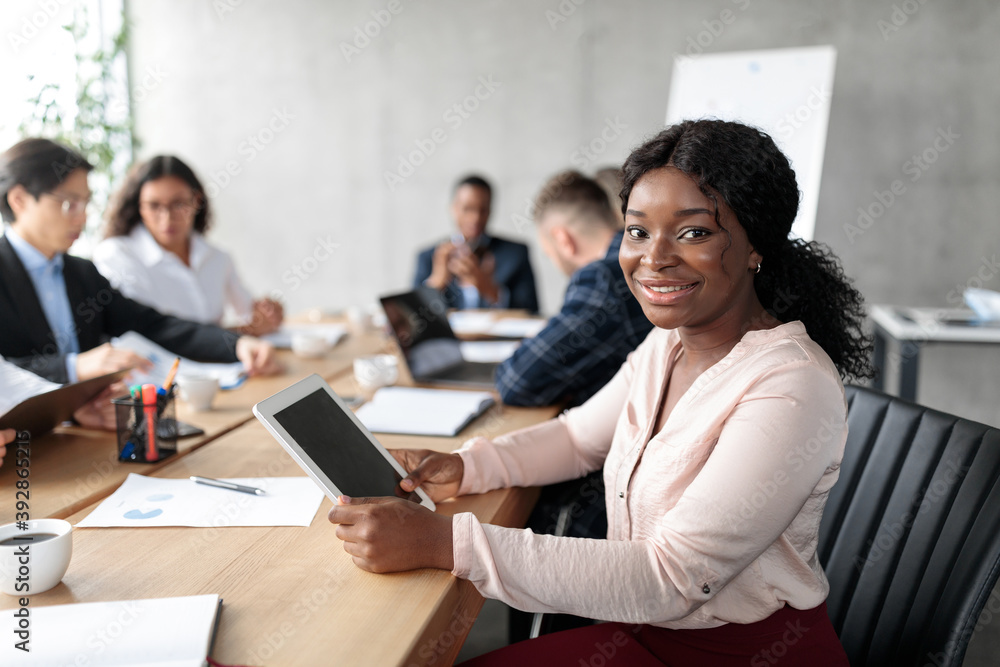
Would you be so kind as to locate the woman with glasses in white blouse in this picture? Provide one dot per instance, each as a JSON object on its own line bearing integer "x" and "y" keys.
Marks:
{"x": 156, "y": 253}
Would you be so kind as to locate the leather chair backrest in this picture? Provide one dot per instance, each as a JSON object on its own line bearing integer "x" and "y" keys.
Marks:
{"x": 910, "y": 538}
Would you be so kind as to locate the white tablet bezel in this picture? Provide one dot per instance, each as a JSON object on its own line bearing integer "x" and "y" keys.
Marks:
{"x": 265, "y": 411}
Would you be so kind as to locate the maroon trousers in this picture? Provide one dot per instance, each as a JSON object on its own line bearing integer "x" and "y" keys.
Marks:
{"x": 787, "y": 637}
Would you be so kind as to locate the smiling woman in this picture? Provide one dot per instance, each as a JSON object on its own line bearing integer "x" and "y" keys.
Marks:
{"x": 719, "y": 438}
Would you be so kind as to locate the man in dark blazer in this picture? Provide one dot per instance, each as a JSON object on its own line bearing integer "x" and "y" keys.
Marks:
{"x": 57, "y": 311}
{"x": 473, "y": 269}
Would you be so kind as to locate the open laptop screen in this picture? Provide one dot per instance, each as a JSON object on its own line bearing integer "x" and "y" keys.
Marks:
{"x": 419, "y": 321}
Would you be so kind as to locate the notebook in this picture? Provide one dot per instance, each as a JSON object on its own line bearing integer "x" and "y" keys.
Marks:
{"x": 165, "y": 632}
{"x": 414, "y": 411}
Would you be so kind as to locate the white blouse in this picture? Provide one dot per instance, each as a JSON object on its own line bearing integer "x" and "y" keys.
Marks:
{"x": 209, "y": 291}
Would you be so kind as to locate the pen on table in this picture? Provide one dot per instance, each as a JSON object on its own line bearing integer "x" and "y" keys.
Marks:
{"x": 208, "y": 481}
{"x": 170, "y": 376}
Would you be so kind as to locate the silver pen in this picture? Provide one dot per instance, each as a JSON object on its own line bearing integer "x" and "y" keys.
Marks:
{"x": 208, "y": 481}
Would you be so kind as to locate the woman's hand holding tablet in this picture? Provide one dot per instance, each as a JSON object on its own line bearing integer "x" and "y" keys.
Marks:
{"x": 392, "y": 535}
{"x": 439, "y": 475}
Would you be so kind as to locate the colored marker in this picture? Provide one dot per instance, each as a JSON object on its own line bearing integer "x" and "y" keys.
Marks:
{"x": 170, "y": 376}
{"x": 149, "y": 408}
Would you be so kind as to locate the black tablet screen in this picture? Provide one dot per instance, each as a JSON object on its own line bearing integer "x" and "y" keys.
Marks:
{"x": 339, "y": 448}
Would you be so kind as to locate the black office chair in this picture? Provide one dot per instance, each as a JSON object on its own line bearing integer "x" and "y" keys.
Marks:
{"x": 910, "y": 538}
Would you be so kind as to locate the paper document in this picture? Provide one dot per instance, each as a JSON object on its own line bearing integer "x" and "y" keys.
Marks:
{"x": 160, "y": 632}
{"x": 517, "y": 327}
{"x": 282, "y": 338}
{"x": 154, "y": 501}
{"x": 230, "y": 375}
{"x": 466, "y": 322}
{"x": 413, "y": 411}
{"x": 487, "y": 351}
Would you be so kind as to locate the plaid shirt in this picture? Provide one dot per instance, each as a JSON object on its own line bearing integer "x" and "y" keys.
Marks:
{"x": 582, "y": 347}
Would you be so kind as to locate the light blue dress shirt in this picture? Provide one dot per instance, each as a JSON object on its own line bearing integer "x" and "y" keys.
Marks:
{"x": 50, "y": 286}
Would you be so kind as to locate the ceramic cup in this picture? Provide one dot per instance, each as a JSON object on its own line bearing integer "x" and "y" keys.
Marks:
{"x": 49, "y": 545}
{"x": 309, "y": 345}
{"x": 359, "y": 320}
{"x": 198, "y": 391}
{"x": 380, "y": 370}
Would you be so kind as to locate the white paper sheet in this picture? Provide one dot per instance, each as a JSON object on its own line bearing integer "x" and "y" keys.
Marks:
{"x": 159, "y": 632}
{"x": 414, "y": 411}
{"x": 230, "y": 375}
{"x": 465, "y": 323}
{"x": 488, "y": 351}
{"x": 517, "y": 327}
{"x": 282, "y": 338}
{"x": 152, "y": 501}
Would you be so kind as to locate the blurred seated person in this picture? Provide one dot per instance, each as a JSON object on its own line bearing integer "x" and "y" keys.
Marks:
{"x": 474, "y": 269}
{"x": 18, "y": 385}
{"x": 58, "y": 310}
{"x": 612, "y": 179}
{"x": 156, "y": 253}
{"x": 583, "y": 346}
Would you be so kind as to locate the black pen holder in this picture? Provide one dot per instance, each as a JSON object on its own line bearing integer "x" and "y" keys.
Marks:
{"x": 134, "y": 420}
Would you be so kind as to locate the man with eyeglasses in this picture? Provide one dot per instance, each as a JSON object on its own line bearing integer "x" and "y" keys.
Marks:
{"x": 57, "y": 311}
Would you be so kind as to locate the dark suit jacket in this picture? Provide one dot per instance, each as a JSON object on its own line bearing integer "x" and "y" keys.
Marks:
{"x": 99, "y": 312}
{"x": 513, "y": 271}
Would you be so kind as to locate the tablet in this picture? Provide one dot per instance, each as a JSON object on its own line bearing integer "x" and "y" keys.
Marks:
{"x": 326, "y": 439}
{"x": 43, "y": 412}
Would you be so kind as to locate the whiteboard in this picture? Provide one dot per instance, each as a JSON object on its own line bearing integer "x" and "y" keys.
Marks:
{"x": 785, "y": 92}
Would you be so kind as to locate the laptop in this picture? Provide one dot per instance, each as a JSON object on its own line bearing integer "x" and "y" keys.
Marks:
{"x": 419, "y": 322}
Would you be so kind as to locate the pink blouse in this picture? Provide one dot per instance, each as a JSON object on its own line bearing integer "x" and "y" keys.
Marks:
{"x": 712, "y": 520}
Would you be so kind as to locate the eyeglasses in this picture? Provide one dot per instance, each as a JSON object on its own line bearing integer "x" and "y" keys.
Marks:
{"x": 173, "y": 209}
{"x": 70, "y": 204}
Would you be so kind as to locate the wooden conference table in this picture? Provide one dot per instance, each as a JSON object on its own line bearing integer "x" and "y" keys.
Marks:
{"x": 291, "y": 595}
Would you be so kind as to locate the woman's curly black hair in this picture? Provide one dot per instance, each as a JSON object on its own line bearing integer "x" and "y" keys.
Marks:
{"x": 123, "y": 213}
{"x": 798, "y": 280}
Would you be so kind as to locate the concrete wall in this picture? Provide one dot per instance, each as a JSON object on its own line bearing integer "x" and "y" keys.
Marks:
{"x": 330, "y": 122}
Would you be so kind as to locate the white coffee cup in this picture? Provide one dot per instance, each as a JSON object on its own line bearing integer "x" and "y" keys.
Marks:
{"x": 45, "y": 562}
{"x": 359, "y": 320}
{"x": 198, "y": 391}
{"x": 309, "y": 345}
{"x": 380, "y": 370}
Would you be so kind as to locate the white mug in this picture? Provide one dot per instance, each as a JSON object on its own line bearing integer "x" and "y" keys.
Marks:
{"x": 198, "y": 391}
{"x": 380, "y": 370}
{"x": 309, "y": 345}
{"x": 35, "y": 559}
